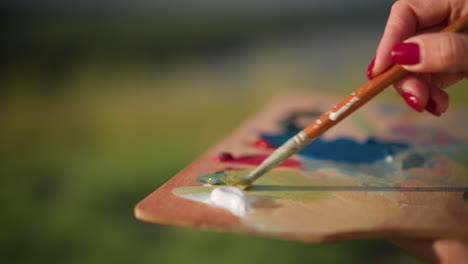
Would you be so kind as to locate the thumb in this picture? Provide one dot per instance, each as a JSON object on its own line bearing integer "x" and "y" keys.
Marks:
{"x": 433, "y": 52}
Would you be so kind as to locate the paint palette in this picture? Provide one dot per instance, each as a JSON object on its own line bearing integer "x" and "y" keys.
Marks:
{"x": 384, "y": 171}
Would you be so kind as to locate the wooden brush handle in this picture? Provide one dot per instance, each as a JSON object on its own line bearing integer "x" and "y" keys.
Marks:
{"x": 366, "y": 92}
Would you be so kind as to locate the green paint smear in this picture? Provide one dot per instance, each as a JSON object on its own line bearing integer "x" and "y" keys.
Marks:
{"x": 225, "y": 177}
{"x": 364, "y": 125}
{"x": 461, "y": 157}
{"x": 274, "y": 185}
{"x": 286, "y": 185}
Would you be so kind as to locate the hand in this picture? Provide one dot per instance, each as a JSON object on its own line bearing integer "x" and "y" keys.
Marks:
{"x": 434, "y": 60}
{"x": 435, "y": 251}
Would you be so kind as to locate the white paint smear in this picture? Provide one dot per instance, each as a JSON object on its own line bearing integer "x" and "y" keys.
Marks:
{"x": 232, "y": 199}
{"x": 334, "y": 115}
{"x": 229, "y": 198}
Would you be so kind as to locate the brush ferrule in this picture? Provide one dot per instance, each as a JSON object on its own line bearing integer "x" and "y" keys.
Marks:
{"x": 289, "y": 148}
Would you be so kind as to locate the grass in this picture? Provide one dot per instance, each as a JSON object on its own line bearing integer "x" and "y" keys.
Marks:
{"x": 73, "y": 166}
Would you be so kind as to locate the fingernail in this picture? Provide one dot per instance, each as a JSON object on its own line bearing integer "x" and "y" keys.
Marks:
{"x": 431, "y": 107}
{"x": 406, "y": 53}
{"x": 369, "y": 69}
{"x": 412, "y": 101}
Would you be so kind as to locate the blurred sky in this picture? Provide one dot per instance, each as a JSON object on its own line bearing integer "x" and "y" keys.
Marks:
{"x": 224, "y": 38}
{"x": 210, "y": 4}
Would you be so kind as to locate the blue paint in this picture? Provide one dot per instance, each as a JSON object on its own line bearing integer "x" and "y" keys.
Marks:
{"x": 344, "y": 150}
{"x": 434, "y": 164}
{"x": 373, "y": 162}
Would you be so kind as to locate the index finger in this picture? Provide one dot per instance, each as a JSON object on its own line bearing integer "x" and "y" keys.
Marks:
{"x": 407, "y": 18}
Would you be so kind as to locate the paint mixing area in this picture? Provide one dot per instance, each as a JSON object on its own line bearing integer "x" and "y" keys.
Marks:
{"x": 123, "y": 125}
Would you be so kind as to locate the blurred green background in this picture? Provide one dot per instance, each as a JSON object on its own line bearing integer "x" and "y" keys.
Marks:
{"x": 96, "y": 96}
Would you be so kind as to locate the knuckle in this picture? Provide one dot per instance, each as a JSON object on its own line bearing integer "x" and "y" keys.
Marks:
{"x": 451, "y": 52}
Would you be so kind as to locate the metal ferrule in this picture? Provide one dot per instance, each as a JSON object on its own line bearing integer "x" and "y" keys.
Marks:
{"x": 289, "y": 148}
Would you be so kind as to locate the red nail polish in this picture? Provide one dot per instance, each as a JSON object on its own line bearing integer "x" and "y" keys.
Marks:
{"x": 406, "y": 53}
{"x": 412, "y": 101}
{"x": 369, "y": 69}
{"x": 431, "y": 107}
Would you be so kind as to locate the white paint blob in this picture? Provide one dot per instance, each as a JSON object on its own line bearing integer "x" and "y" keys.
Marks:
{"x": 335, "y": 115}
{"x": 232, "y": 199}
{"x": 389, "y": 159}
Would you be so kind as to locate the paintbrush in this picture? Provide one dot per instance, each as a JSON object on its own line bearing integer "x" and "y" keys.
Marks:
{"x": 340, "y": 111}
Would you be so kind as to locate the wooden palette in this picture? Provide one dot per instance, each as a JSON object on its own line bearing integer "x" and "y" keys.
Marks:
{"x": 418, "y": 192}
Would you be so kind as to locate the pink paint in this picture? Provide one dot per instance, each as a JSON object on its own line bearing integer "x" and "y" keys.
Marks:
{"x": 253, "y": 160}
{"x": 441, "y": 138}
{"x": 423, "y": 135}
{"x": 407, "y": 131}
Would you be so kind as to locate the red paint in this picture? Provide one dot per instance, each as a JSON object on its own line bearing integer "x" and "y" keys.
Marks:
{"x": 369, "y": 69}
{"x": 412, "y": 101}
{"x": 254, "y": 160}
{"x": 406, "y": 54}
{"x": 261, "y": 143}
{"x": 224, "y": 156}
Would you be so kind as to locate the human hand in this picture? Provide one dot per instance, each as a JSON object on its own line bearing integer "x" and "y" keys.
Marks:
{"x": 435, "y": 251}
{"x": 434, "y": 60}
